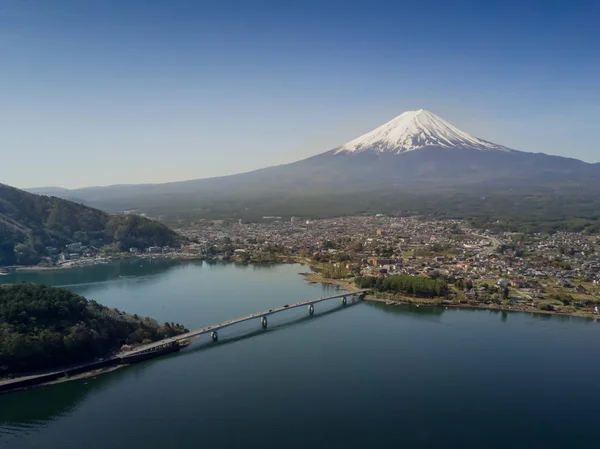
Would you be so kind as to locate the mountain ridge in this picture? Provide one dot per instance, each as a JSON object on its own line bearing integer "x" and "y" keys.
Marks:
{"x": 411, "y": 160}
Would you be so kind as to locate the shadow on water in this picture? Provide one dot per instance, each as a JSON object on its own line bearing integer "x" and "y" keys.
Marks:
{"x": 423, "y": 312}
{"x": 27, "y": 409}
{"x": 241, "y": 265}
{"x": 437, "y": 311}
{"x": 97, "y": 274}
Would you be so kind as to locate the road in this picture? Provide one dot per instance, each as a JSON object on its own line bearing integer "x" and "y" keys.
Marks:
{"x": 196, "y": 333}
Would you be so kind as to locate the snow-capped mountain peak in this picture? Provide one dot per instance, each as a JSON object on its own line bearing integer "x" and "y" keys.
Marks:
{"x": 413, "y": 130}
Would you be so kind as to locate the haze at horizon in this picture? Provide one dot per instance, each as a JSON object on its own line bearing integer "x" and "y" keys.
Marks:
{"x": 145, "y": 92}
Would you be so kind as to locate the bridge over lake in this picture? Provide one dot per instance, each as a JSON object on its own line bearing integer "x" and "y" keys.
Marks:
{"x": 213, "y": 330}
{"x": 164, "y": 346}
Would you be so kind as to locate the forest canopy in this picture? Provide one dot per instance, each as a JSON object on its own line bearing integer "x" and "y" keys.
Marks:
{"x": 418, "y": 286}
{"x": 45, "y": 327}
{"x": 31, "y": 225}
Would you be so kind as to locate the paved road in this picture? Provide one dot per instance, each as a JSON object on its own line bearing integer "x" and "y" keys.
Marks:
{"x": 495, "y": 243}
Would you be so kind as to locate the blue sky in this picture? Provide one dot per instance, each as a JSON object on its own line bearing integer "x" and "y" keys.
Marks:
{"x": 107, "y": 92}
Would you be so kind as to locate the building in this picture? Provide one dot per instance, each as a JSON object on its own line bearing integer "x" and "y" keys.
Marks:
{"x": 379, "y": 261}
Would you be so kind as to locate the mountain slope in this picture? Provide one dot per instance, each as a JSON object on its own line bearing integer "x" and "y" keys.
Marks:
{"x": 415, "y": 151}
{"x": 29, "y": 224}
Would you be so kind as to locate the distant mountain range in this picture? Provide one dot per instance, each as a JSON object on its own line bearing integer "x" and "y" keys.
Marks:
{"x": 417, "y": 151}
{"x": 35, "y": 226}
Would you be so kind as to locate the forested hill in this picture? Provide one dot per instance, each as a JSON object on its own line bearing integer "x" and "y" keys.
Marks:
{"x": 32, "y": 225}
{"x": 46, "y": 327}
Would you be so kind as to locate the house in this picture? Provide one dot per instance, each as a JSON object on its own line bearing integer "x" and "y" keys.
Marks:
{"x": 154, "y": 249}
{"x": 192, "y": 249}
{"x": 134, "y": 250}
{"x": 379, "y": 262}
{"x": 73, "y": 246}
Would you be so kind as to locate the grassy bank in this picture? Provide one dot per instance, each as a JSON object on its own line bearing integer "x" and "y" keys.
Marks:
{"x": 315, "y": 278}
{"x": 441, "y": 302}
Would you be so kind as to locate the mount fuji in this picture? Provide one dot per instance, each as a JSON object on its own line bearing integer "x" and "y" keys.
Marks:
{"x": 414, "y": 130}
{"x": 416, "y": 151}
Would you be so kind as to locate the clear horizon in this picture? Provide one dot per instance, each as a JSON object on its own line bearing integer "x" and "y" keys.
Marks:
{"x": 135, "y": 92}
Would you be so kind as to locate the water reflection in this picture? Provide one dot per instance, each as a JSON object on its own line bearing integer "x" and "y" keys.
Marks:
{"x": 200, "y": 346}
{"x": 96, "y": 273}
{"x": 27, "y": 408}
{"x": 418, "y": 311}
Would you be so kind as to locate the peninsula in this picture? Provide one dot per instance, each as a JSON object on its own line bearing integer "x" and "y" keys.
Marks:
{"x": 46, "y": 328}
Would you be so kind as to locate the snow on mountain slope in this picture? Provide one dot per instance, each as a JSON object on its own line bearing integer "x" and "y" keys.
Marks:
{"x": 413, "y": 130}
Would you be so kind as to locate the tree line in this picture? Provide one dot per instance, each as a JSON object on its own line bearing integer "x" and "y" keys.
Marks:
{"x": 31, "y": 225}
{"x": 417, "y": 286}
{"x": 45, "y": 327}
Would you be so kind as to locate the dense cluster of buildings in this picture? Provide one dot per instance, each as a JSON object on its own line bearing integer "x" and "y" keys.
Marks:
{"x": 533, "y": 265}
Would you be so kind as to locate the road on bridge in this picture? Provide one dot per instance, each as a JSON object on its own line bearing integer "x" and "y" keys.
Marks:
{"x": 196, "y": 333}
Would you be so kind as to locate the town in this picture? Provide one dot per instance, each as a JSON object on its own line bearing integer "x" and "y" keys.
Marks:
{"x": 554, "y": 273}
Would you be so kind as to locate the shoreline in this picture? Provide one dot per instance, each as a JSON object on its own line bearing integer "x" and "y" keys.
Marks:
{"x": 93, "y": 373}
{"x": 183, "y": 258}
{"x": 314, "y": 278}
{"x": 495, "y": 307}
{"x": 85, "y": 375}
{"x": 425, "y": 302}
{"x": 38, "y": 268}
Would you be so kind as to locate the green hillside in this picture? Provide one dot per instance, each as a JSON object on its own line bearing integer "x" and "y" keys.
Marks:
{"x": 31, "y": 225}
{"x": 46, "y": 327}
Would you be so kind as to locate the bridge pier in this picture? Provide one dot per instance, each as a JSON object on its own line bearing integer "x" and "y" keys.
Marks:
{"x": 344, "y": 300}
{"x": 214, "y": 335}
{"x": 263, "y": 322}
{"x": 311, "y": 309}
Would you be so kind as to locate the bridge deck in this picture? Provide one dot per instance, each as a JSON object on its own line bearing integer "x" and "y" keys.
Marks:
{"x": 216, "y": 327}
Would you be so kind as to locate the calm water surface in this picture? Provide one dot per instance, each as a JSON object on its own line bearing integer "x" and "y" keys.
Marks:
{"x": 360, "y": 376}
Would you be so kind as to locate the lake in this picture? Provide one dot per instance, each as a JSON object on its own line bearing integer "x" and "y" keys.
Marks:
{"x": 362, "y": 376}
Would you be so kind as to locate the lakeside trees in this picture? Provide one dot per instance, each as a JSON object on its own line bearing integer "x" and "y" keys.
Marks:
{"x": 334, "y": 271}
{"x": 44, "y": 327}
{"x": 418, "y": 286}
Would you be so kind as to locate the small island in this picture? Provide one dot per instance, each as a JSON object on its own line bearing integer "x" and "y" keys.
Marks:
{"x": 48, "y": 328}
